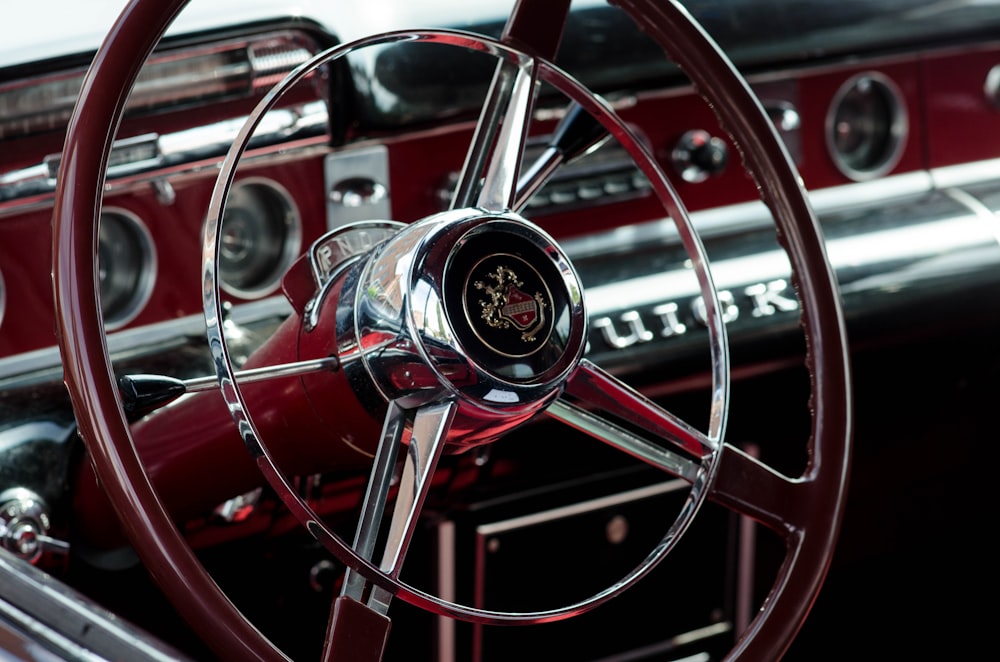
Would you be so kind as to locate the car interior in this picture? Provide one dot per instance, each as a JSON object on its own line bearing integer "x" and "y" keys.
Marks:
{"x": 639, "y": 330}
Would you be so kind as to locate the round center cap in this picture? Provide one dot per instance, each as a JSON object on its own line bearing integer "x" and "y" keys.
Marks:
{"x": 508, "y": 303}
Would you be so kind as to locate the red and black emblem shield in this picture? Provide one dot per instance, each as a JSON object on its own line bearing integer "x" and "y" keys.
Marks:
{"x": 508, "y": 305}
{"x": 520, "y": 308}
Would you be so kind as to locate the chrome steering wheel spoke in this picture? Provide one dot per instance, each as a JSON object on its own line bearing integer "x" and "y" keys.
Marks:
{"x": 592, "y": 385}
{"x": 376, "y": 496}
{"x": 430, "y": 428}
{"x": 624, "y": 440}
{"x": 503, "y": 124}
{"x": 489, "y": 176}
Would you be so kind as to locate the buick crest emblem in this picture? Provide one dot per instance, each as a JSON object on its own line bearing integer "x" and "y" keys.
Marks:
{"x": 510, "y": 312}
{"x": 508, "y": 305}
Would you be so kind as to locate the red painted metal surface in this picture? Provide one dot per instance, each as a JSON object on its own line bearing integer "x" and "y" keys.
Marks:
{"x": 957, "y": 126}
{"x": 962, "y": 124}
{"x": 25, "y": 242}
{"x": 26, "y": 246}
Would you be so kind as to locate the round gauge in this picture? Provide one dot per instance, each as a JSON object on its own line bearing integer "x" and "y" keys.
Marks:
{"x": 127, "y": 266}
{"x": 866, "y": 127}
{"x": 260, "y": 237}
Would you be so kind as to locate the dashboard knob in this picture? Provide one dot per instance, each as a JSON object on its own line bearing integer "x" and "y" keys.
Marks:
{"x": 699, "y": 155}
{"x": 24, "y": 525}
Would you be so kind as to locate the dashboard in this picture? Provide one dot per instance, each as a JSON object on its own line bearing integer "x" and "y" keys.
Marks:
{"x": 856, "y": 132}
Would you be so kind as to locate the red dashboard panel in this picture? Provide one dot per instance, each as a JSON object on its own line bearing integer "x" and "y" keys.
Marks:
{"x": 956, "y": 124}
{"x": 963, "y": 113}
{"x": 175, "y": 229}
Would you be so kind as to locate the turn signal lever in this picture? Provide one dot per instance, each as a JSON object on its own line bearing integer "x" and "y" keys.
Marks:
{"x": 576, "y": 134}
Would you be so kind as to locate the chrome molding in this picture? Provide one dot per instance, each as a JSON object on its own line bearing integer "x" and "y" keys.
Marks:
{"x": 82, "y": 630}
{"x": 901, "y": 263}
{"x": 744, "y": 216}
{"x": 357, "y": 186}
{"x": 152, "y": 152}
{"x": 905, "y": 237}
{"x": 208, "y": 72}
{"x": 966, "y": 174}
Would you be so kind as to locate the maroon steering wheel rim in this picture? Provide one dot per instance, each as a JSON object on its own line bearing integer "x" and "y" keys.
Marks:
{"x": 86, "y": 364}
{"x": 819, "y": 496}
{"x": 821, "y": 491}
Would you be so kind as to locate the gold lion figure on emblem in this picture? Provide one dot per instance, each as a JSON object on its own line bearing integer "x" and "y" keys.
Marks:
{"x": 508, "y": 305}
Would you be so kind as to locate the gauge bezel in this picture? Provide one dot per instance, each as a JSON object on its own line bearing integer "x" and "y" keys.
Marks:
{"x": 896, "y": 132}
{"x": 145, "y": 278}
{"x": 291, "y": 222}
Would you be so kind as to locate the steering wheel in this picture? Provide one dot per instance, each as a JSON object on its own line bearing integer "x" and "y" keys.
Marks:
{"x": 509, "y": 313}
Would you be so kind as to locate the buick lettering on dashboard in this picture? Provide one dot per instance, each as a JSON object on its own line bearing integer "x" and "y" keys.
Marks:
{"x": 668, "y": 319}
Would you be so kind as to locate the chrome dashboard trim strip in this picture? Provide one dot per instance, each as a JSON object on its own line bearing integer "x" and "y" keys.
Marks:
{"x": 610, "y": 300}
{"x": 68, "y": 624}
{"x": 966, "y": 174}
{"x": 151, "y": 152}
{"x": 975, "y": 205}
{"x": 901, "y": 265}
{"x": 754, "y": 215}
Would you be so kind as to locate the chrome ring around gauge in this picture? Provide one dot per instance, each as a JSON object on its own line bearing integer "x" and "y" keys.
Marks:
{"x": 488, "y": 303}
{"x": 866, "y": 126}
{"x": 261, "y": 237}
{"x": 127, "y": 258}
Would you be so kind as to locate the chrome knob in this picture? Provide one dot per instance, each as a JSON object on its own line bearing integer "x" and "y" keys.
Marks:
{"x": 699, "y": 155}
{"x": 24, "y": 525}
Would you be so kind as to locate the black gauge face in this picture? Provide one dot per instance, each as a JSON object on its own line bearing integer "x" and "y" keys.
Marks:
{"x": 862, "y": 126}
{"x": 259, "y": 236}
{"x": 866, "y": 126}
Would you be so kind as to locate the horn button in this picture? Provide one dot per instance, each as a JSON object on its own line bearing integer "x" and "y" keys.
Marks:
{"x": 506, "y": 315}
{"x": 483, "y": 306}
